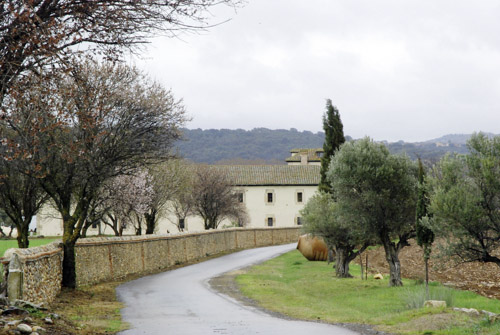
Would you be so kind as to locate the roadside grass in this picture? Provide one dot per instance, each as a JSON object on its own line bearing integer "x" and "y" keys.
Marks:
{"x": 89, "y": 310}
{"x": 293, "y": 286}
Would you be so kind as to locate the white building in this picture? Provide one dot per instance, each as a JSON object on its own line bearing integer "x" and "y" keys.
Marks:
{"x": 272, "y": 194}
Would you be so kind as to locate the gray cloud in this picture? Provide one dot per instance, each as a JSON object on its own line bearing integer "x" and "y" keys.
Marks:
{"x": 410, "y": 70}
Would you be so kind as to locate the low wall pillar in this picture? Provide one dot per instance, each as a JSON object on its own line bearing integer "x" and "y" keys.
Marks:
{"x": 15, "y": 279}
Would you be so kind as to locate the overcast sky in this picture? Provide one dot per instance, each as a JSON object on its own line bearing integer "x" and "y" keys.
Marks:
{"x": 396, "y": 70}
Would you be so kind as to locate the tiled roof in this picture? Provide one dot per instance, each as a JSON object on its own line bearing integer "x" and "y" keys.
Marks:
{"x": 243, "y": 175}
{"x": 311, "y": 155}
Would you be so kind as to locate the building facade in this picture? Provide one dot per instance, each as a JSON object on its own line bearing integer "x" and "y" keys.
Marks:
{"x": 273, "y": 196}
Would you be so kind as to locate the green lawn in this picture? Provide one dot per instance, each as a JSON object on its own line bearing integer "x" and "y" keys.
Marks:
{"x": 307, "y": 290}
{"x": 35, "y": 242}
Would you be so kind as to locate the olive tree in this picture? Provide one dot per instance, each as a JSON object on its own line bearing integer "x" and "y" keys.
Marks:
{"x": 377, "y": 191}
{"x": 322, "y": 218}
{"x": 465, "y": 201}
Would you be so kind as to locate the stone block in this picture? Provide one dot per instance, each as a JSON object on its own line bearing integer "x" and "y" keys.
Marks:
{"x": 434, "y": 303}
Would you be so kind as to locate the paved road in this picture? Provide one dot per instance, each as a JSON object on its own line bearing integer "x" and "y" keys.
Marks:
{"x": 181, "y": 302}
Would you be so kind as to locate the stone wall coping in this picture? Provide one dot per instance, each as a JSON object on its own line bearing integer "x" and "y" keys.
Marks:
{"x": 92, "y": 241}
{"x": 30, "y": 254}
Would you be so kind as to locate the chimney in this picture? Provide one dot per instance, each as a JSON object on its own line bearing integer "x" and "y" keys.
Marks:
{"x": 303, "y": 158}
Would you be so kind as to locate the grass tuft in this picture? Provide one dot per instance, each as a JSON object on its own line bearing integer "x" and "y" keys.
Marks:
{"x": 415, "y": 296}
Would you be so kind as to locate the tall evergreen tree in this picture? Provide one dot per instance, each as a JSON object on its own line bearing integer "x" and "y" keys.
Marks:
{"x": 425, "y": 235}
{"x": 334, "y": 137}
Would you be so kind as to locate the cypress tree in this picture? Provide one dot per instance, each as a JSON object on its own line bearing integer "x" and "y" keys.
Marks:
{"x": 334, "y": 137}
{"x": 425, "y": 235}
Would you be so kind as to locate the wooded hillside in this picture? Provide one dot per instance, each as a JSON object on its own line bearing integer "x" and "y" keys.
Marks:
{"x": 267, "y": 146}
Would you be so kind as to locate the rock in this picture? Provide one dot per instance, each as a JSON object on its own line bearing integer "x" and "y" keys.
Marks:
{"x": 435, "y": 303}
{"x": 54, "y": 316}
{"x": 28, "y": 320}
{"x": 35, "y": 333}
{"x": 495, "y": 318}
{"x": 48, "y": 321}
{"x": 489, "y": 314}
{"x": 39, "y": 329}
{"x": 471, "y": 311}
{"x": 13, "y": 324}
{"x": 24, "y": 328}
{"x": 378, "y": 276}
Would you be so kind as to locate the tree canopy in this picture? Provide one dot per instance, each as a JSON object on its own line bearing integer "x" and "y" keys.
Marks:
{"x": 323, "y": 218}
{"x": 35, "y": 34}
{"x": 466, "y": 201}
{"x": 334, "y": 138}
{"x": 377, "y": 190}
{"x": 81, "y": 128}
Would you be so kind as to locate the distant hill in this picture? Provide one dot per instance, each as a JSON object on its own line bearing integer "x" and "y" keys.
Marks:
{"x": 260, "y": 144}
{"x": 266, "y": 146}
{"x": 455, "y": 138}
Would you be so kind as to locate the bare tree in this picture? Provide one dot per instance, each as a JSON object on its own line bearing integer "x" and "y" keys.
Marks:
{"x": 125, "y": 200}
{"x": 168, "y": 179}
{"x": 80, "y": 129}
{"x": 181, "y": 204}
{"x": 37, "y": 33}
{"x": 214, "y": 197}
{"x": 21, "y": 196}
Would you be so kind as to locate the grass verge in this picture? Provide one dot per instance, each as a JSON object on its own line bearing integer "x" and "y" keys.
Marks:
{"x": 34, "y": 242}
{"x": 293, "y": 286}
{"x": 88, "y": 310}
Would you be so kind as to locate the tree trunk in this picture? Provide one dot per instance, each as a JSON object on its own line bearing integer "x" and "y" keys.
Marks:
{"x": 330, "y": 255}
{"x": 392, "y": 257}
{"x": 84, "y": 230}
{"x": 426, "y": 261}
{"x": 23, "y": 235}
{"x": 342, "y": 260}
{"x": 150, "y": 222}
{"x": 113, "y": 225}
{"x": 362, "y": 268}
{"x": 69, "y": 270}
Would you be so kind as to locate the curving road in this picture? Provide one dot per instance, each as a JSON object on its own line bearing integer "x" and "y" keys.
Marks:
{"x": 181, "y": 302}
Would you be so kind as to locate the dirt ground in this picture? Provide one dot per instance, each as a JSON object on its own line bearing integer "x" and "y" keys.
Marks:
{"x": 481, "y": 278}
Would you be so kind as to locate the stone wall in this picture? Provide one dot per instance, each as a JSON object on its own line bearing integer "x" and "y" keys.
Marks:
{"x": 35, "y": 274}
{"x": 107, "y": 258}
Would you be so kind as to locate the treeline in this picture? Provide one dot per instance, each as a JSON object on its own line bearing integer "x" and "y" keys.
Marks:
{"x": 267, "y": 146}
{"x": 259, "y": 144}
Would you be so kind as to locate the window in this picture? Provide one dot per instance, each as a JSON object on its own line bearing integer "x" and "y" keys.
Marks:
{"x": 240, "y": 196}
{"x": 270, "y": 221}
{"x": 299, "y": 196}
{"x": 269, "y": 197}
{"x": 94, "y": 225}
{"x": 182, "y": 223}
{"x": 299, "y": 221}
